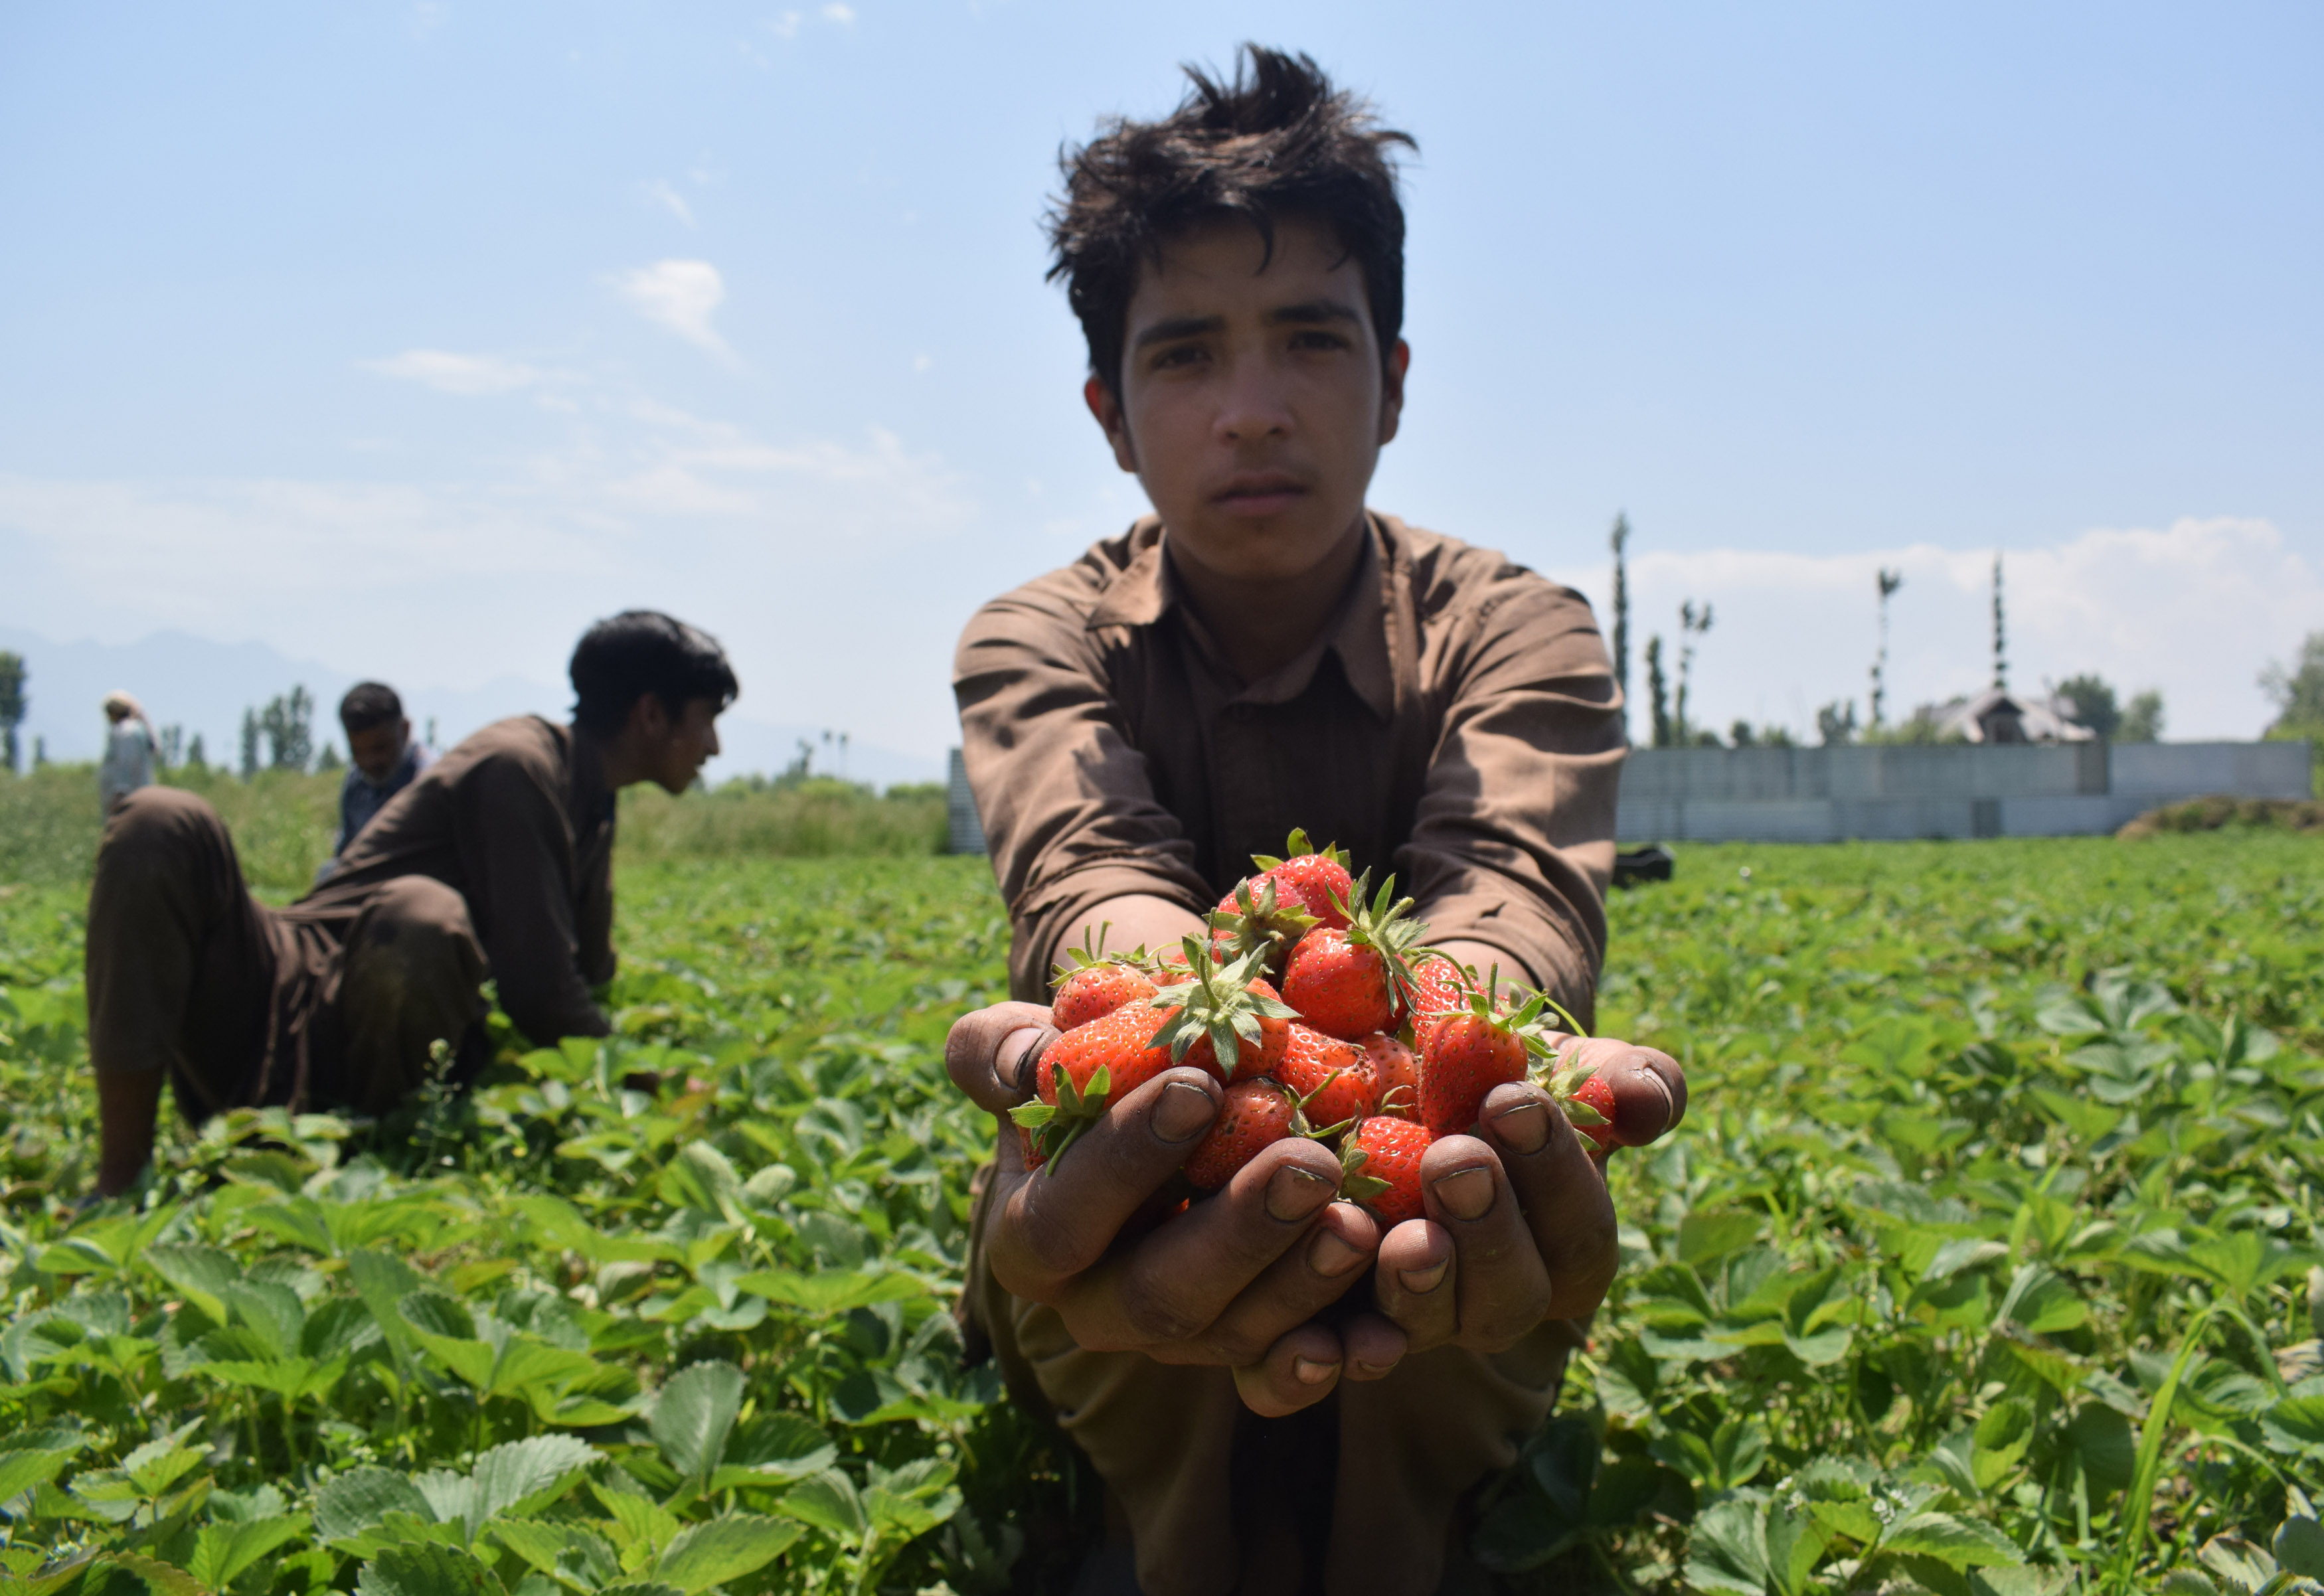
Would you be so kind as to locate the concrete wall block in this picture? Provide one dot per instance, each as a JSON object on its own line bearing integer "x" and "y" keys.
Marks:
{"x": 2170, "y": 772}
{"x": 2061, "y": 817}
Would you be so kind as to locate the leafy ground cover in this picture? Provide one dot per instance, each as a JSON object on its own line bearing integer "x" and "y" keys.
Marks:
{"x": 1981, "y": 1264}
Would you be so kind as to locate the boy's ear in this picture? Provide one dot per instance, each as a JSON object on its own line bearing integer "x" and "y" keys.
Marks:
{"x": 1399, "y": 361}
{"x": 1107, "y": 408}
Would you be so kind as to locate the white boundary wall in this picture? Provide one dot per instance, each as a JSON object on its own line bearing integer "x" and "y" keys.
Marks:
{"x": 1891, "y": 792}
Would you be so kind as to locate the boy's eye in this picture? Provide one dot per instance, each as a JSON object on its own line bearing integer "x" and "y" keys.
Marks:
{"x": 1178, "y": 355}
{"x": 1317, "y": 339}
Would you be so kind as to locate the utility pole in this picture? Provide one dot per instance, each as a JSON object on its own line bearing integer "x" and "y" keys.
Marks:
{"x": 2000, "y": 649}
{"x": 1889, "y": 581}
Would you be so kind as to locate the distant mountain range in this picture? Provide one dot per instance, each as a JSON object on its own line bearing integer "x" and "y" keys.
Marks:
{"x": 203, "y": 687}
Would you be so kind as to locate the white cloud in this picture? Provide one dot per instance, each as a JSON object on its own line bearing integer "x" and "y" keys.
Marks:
{"x": 680, "y": 295}
{"x": 839, "y": 12}
{"x": 2195, "y": 609}
{"x": 671, "y": 199}
{"x": 784, "y": 27}
{"x": 447, "y": 373}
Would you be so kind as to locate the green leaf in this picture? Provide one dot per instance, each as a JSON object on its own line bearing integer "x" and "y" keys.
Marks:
{"x": 1727, "y": 1550}
{"x": 223, "y": 1551}
{"x": 21, "y": 1471}
{"x": 1704, "y": 1238}
{"x": 382, "y": 1281}
{"x": 359, "y": 1499}
{"x": 711, "y": 1553}
{"x": 694, "y": 1414}
{"x": 832, "y": 1291}
{"x": 2298, "y": 1546}
{"x": 2001, "y": 1438}
{"x": 157, "y": 1465}
{"x": 426, "y": 1569}
{"x": 2101, "y": 1437}
{"x": 200, "y": 1274}
{"x": 1958, "y": 1543}
{"x": 1963, "y": 1252}
{"x": 830, "y": 1502}
{"x": 167, "y": 1579}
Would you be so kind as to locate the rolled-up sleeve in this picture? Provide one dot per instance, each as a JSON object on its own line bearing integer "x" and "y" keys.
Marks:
{"x": 1066, "y": 798}
{"x": 1513, "y": 843}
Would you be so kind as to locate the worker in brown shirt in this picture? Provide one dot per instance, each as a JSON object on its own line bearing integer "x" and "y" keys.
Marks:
{"x": 1278, "y": 1395}
{"x": 497, "y": 862}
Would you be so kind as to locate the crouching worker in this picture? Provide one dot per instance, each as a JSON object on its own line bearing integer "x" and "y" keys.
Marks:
{"x": 496, "y": 862}
{"x": 1281, "y": 1391}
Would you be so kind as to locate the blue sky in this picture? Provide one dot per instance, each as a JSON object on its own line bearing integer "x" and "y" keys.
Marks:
{"x": 410, "y": 338}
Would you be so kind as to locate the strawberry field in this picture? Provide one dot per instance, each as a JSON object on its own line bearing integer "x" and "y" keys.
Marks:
{"x": 1982, "y": 1263}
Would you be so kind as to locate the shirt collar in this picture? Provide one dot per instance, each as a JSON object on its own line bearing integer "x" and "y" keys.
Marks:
{"x": 1148, "y": 589}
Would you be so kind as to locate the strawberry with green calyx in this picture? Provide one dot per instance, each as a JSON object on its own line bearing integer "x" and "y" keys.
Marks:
{"x": 1224, "y": 1020}
{"x": 1352, "y": 982}
{"x": 1395, "y": 1075}
{"x": 1256, "y": 1115}
{"x": 1314, "y": 878}
{"x": 1094, "y": 982}
{"x": 1081, "y": 1071}
{"x": 1439, "y": 987}
{"x": 1255, "y": 918}
{"x": 1379, "y": 1167}
{"x": 1337, "y": 1075}
{"x": 1580, "y": 1090}
{"x": 1471, "y": 1050}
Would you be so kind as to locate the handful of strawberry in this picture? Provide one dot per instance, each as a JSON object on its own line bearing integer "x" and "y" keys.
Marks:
{"x": 1323, "y": 1013}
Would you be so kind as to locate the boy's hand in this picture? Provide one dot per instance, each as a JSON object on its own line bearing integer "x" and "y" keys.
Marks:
{"x": 1519, "y": 1227}
{"x": 1237, "y": 1281}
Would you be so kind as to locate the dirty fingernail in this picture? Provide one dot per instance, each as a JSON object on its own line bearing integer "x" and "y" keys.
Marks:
{"x": 1466, "y": 1193}
{"x": 1330, "y": 1254}
{"x": 1525, "y": 1127}
{"x": 1183, "y": 1113}
{"x": 1009, "y": 1064}
{"x": 1312, "y": 1373}
{"x": 1662, "y": 1120}
{"x": 1293, "y": 1193}
{"x": 1421, "y": 1282}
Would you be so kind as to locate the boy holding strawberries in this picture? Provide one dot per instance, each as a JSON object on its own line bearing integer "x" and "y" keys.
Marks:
{"x": 1280, "y": 1390}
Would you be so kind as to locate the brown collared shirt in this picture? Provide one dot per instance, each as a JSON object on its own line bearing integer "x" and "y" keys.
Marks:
{"x": 518, "y": 820}
{"x": 1456, "y": 722}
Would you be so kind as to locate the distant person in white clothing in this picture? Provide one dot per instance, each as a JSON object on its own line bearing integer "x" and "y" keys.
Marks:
{"x": 128, "y": 751}
{"x": 383, "y": 758}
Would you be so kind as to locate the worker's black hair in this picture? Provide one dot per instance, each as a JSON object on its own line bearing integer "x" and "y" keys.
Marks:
{"x": 640, "y": 652}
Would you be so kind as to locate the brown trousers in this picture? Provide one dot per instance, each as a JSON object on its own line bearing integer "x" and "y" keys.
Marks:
{"x": 1180, "y": 1454}
{"x": 248, "y": 1006}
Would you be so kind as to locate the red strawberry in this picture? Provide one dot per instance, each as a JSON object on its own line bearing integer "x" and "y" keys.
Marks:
{"x": 1223, "y": 1019}
{"x": 1381, "y": 1167}
{"x": 1316, "y": 881}
{"x": 1467, "y": 1055}
{"x": 1089, "y": 1067}
{"x": 1334, "y": 1079}
{"x": 1091, "y": 992}
{"x": 1256, "y": 918}
{"x": 1594, "y": 1093}
{"x": 1395, "y": 1075}
{"x": 1256, "y": 1115}
{"x": 1351, "y": 983}
{"x": 1439, "y": 986}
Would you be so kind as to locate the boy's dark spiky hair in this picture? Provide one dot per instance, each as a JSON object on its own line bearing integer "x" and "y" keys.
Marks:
{"x": 1278, "y": 141}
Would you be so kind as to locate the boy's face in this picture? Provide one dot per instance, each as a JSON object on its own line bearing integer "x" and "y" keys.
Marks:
{"x": 375, "y": 749}
{"x": 1253, "y": 403}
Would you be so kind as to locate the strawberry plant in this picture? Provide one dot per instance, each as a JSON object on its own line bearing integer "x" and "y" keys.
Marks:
{"x": 1982, "y": 1264}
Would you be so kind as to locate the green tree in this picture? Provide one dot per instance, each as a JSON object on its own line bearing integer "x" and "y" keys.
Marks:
{"x": 289, "y": 722}
{"x": 2090, "y": 702}
{"x": 195, "y": 756}
{"x": 2298, "y": 689}
{"x": 249, "y": 744}
{"x": 2142, "y": 719}
{"x": 1620, "y": 539}
{"x": 1836, "y": 723}
{"x": 13, "y": 705}
{"x": 1658, "y": 690}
